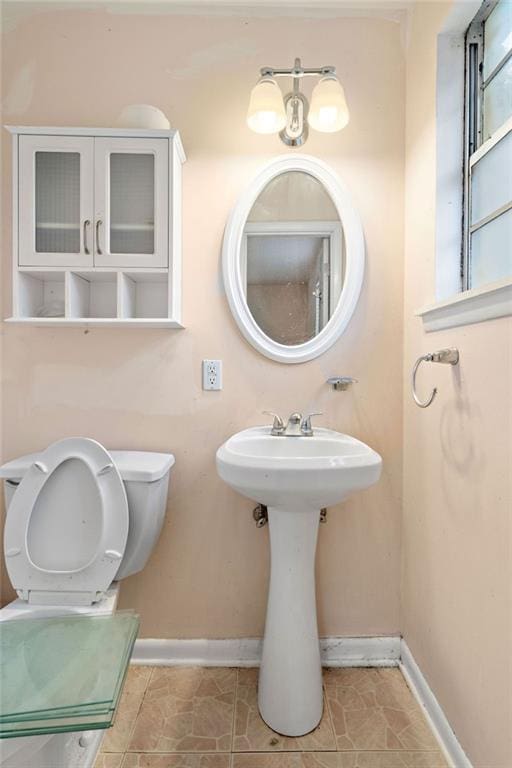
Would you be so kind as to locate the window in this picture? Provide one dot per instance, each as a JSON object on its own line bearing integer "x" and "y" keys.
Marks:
{"x": 487, "y": 236}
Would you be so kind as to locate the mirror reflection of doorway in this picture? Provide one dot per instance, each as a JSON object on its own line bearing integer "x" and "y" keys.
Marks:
{"x": 292, "y": 280}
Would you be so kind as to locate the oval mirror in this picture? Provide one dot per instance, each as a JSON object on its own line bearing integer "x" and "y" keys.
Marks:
{"x": 293, "y": 259}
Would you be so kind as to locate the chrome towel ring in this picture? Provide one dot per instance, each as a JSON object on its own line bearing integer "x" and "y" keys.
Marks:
{"x": 450, "y": 356}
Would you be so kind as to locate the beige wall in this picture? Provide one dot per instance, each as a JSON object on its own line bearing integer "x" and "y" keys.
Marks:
{"x": 142, "y": 388}
{"x": 457, "y": 532}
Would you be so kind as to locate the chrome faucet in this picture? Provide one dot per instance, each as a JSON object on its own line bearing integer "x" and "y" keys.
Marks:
{"x": 296, "y": 426}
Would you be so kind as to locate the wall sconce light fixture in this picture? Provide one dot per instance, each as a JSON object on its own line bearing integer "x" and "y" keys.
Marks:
{"x": 290, "y": 116}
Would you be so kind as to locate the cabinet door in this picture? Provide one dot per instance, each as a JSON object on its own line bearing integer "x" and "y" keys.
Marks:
{"x": 131, "y": 202}
{"x": 56, "y": 201}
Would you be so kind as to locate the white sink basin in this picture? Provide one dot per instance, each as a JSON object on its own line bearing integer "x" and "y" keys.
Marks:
{"x": 315, "y": 471}
{"x": 294, "y": 477}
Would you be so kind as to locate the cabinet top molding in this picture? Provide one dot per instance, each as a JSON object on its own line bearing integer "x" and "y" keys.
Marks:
{"x": 141, "y": 133}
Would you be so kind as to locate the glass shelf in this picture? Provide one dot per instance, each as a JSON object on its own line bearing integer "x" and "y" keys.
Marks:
{"x": 63, "y": 674}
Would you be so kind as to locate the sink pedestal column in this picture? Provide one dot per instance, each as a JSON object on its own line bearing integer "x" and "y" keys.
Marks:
{"x": 290, "y": 683}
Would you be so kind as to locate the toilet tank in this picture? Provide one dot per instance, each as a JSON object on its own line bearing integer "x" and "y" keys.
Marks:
{"x": 145, "y": 476}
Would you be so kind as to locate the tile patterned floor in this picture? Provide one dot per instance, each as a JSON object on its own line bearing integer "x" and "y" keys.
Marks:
{"x": 192, "y": 717}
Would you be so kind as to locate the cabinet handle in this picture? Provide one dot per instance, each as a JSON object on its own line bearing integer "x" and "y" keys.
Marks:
{"x": 98, "y": 249}
{"x": 86, "y": 247}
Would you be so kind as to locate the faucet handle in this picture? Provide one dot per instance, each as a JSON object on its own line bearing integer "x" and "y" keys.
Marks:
{"x": 305, "y": 426}
{"x": 278, "y": 423}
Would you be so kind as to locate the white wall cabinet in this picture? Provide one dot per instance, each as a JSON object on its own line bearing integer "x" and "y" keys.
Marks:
{"x": 97, "y": 226}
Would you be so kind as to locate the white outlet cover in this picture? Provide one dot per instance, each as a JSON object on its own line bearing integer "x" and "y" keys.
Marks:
{"x": 212, "y": 374}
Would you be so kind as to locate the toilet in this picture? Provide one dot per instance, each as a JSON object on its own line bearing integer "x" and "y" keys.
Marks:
{"x": 79, "y": 519}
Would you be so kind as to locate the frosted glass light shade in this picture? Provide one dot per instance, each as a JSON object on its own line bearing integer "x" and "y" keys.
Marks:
{"x": 328, "y": 112}
{"x": 266, "y": 112}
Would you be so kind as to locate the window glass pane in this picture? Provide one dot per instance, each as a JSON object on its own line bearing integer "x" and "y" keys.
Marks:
{"x": 497, "y": 36}
{"x": 132, "y": 203}
{"x": 491, "y": 180}
{"x": 57, "y": 193}
{"x": 491, "y": 251}
{"x": 498, "y": 100}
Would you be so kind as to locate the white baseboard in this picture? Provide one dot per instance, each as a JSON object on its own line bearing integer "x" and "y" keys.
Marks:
{"x": 246, "y": 652}
{"x": 243, "y": 652}
{"x": 435, "y": 716}
{"x": 360, "y": 651}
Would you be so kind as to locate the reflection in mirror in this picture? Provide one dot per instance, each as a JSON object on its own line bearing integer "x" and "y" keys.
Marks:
{"x": 292, "y": 258}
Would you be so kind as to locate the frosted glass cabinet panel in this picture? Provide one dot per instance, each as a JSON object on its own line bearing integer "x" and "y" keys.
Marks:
{"x": 131, "y": 202}
{"x": 56, "y": 204}
{"x": 57, "y": 180}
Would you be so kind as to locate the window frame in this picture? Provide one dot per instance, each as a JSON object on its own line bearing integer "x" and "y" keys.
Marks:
{"x": 474, "y": 146}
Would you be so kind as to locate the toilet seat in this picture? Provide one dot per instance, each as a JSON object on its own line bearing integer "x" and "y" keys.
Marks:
{"x": 67, "y": 525}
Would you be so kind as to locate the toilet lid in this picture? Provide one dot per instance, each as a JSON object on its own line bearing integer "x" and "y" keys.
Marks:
{"x": 67, "y": 525}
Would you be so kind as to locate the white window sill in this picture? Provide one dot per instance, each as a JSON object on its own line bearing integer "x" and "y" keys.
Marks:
{"x": 487, "y": 303}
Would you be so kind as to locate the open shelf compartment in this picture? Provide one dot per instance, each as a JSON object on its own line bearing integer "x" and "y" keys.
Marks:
{"x": 93, "y": 296}
{"x": 143, "y": 295}
{"x": 41, "y": 294}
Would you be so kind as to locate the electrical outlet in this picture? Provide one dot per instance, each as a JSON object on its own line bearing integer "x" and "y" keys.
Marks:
{"x": 212, "y": 374}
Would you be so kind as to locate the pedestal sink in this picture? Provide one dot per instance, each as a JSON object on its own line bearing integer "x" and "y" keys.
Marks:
{"x": 295, "y": 477}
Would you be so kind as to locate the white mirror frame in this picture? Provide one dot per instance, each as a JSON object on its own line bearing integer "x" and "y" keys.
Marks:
{"x": 354, "y": 260}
